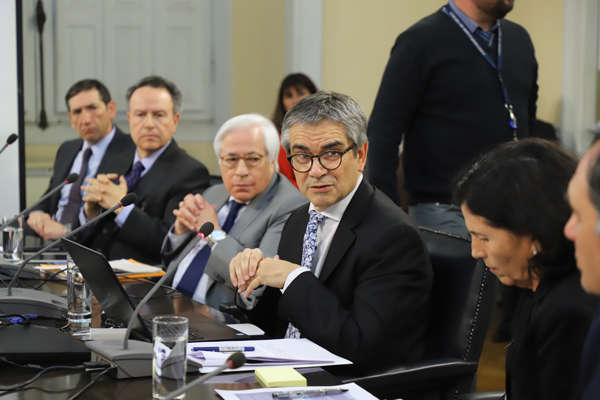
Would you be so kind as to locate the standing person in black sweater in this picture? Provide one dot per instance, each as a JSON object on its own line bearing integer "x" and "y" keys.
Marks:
{"x": 441, "y": 92}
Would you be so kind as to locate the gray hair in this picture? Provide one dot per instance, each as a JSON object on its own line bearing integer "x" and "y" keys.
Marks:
{"x": 245, "y": 122}
{"x": 327, "y": 106}
{"x": 158, "y": 83}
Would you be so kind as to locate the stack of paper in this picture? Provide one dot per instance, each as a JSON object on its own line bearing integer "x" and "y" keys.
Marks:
{"x": 266, "y": 353}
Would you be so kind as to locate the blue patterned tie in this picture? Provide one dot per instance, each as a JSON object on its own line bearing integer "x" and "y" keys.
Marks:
{"x": 190, "y": 279}
{"x": 134, "y": 176}
{"x": 308, "y": 251}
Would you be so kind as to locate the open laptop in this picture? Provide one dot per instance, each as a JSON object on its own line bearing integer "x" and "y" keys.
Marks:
{"x": 118, "y": 307}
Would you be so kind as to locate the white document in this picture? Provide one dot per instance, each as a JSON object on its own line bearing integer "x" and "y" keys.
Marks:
{"x": 267, "y": 353}
{"x": 133, "y": 267}
{"x": 354, "y": 392}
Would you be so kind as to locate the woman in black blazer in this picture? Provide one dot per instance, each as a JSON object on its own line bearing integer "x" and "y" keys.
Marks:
{"x": 514, "y": 204}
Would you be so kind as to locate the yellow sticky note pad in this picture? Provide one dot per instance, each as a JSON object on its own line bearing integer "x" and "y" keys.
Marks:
{"x": 279, "y": 377}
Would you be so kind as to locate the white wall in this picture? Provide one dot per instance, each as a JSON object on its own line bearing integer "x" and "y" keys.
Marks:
{"x": 9, "y": 122}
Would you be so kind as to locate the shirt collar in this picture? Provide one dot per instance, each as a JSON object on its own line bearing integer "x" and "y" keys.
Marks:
{"x": 231, "y": 198}
{"x": 471, "y": 25}
{"x": 102, "y": 144}
{"x": 336, "y": 211}
{"x": 149, "y": 161}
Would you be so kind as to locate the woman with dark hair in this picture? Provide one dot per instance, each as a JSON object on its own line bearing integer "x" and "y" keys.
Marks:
{"x": 513, "y": 201}
{"x": 293, "y": 88}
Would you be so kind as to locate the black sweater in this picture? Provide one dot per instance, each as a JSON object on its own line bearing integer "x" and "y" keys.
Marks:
{"x": 440, "y": 92}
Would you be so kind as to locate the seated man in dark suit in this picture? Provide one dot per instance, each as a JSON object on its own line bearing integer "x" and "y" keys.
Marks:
{"x": 157, "y": 171}
{"x": 583, "y": 228}
{"x": 352, "y": 272}
{"x": 248, "y": 210}
{"x": 91, "y": 111}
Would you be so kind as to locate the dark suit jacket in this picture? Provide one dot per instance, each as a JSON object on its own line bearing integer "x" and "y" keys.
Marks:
{"x": 549, "y": 329}
{"x": 590, "y": 364}
{"x": 121, "y": 146}
{"x": 372, "y": 301}
{"x": 171, "y": 178}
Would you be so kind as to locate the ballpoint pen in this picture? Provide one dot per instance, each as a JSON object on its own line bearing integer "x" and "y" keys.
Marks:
{"x": 301, "y": 394}
{"x": 227, "y": 349}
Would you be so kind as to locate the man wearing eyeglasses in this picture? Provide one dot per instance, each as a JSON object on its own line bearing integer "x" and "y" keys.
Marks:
{"x": 248, "y": 210}
{"x": 352, "y": 272}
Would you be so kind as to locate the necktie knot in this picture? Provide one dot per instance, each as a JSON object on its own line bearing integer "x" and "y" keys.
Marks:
{"x": 234, "y": 208}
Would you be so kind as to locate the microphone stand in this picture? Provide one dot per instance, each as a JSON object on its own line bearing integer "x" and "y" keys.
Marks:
{"x": 29, "y": 301}
{"x": 69, "y": 179}
{"x": 134, "y": 359}
{"x": 234, "y": 361}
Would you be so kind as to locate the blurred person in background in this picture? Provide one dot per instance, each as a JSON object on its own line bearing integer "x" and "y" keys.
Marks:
{"x": 293, "y": 88}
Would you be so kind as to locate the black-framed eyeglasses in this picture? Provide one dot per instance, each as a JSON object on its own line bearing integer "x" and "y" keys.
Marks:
{"x": 330, "y": 159}
{"x": 251, "y": 160}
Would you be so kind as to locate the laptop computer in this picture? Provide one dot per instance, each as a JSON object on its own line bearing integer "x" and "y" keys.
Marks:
{"x": 118, "y": 307}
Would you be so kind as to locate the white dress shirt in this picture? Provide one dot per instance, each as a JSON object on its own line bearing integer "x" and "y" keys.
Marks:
{"x": 325, "y": 233}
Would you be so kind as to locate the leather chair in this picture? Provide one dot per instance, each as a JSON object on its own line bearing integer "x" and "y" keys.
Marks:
{"x": 463, "y": 292}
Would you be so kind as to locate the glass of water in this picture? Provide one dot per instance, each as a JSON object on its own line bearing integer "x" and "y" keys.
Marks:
{"x": 79, "y": 298}
{"x": 170, "y": 336}
{"x": 12, "y": 241}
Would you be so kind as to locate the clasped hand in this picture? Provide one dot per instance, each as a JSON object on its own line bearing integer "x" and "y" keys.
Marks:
{"x": 193, "y": 212}
{"x": 45, "y": 227}
{"x": 102, "y": 192}
{"x": 249, "y": 270}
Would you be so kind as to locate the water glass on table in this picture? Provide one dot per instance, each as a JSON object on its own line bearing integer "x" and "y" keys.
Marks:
{"x": 12, "y": 241}
{"x": 170, "y": 336}
{"x": 79, "y": 298}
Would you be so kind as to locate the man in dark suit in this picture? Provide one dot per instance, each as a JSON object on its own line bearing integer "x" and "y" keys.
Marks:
{"x": 159, "y": 173}
{"x": 352, "y": 272}
{"x": 248, "y": 210}
{"x": 91, "y": 111}
{"x": 583, "y": 228}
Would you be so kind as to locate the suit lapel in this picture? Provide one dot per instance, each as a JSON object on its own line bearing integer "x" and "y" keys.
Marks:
{"x": 255, "y": 207}
{"x": 64, "y": 167}
{"x": 344, "y": 236}
{"x": 116, "y": 160}
{"x": 158, "y": 173}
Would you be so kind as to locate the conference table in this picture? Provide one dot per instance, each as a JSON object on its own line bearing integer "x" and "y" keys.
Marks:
{"x": 62, "y": 384}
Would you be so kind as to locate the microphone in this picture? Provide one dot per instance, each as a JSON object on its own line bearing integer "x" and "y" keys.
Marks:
{"x": 11, "y": 139}
{"x": 134, "y": 362}
{"x": 36, "y": 302}
{"x": 234, "y": 361}
{"x": 69, "y": 179}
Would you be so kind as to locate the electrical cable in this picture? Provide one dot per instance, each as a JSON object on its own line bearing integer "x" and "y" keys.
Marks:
{"x": 100, "y": 375}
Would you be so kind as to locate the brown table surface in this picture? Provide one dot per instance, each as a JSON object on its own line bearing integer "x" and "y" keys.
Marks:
{"x": 63, "y": 384}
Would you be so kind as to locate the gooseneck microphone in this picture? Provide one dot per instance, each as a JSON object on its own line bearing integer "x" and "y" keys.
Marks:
{"x": 205, "y": 230}
{"x": 69, "y": 179}
{"x": 11, "y": 139}
{"x": 135, "y": 360}
{"x": 234, "y": 361}
{"x": 36, "y": 302}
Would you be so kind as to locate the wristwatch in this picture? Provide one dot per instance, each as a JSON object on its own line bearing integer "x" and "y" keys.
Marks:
{"x": 215, "y": 237}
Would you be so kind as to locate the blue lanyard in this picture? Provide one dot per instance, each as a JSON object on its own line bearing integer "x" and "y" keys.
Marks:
{"x": 497, "y": 67}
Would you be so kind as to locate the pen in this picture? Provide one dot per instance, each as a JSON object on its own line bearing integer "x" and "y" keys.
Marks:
{"x": 301, "y": 394}
{"x": 229, "y": 349}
